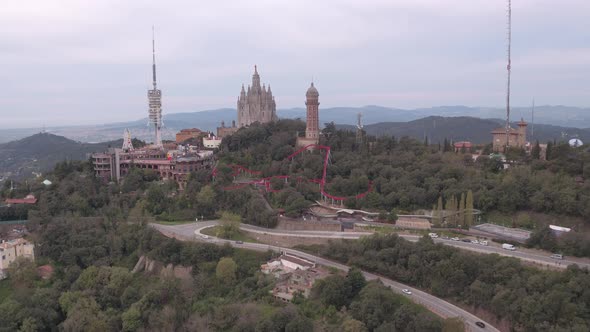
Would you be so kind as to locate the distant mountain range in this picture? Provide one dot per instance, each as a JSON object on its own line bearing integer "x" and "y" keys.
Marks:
{"x": 464, "y": 128}
{"x": 40, "y": 153}
{"x": 561, "y": 116}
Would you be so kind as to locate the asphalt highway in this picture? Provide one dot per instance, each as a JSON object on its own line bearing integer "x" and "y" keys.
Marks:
{"x": 530, "y": 255}
{"x": 436, "y": 305}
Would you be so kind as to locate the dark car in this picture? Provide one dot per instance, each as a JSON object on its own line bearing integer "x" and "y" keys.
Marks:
{"x": 480, "y": 324}
{"x": 466, "y": 240}
{"x": 239, "y": 242}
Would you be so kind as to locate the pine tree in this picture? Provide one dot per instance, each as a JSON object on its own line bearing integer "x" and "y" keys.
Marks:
{"x": 469, "y": 209}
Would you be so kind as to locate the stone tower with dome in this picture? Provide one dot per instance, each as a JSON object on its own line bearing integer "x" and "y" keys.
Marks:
{"x": 256, "y": 104}
{"x": 312, "y": 130}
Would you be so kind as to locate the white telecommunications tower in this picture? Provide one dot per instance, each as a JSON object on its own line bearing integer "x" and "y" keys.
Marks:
{"x": 155, "y": 100}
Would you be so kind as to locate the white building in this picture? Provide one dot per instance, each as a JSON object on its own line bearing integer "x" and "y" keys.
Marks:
{"x": 211, "y": 142}
{"x": 285, "y": 264}
{"x": 10, "y": 250}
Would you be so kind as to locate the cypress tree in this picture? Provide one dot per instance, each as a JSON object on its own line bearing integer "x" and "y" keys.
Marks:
{"x": 548, "y": 151}
{"x": 448, "y": 209}
{"x": 439, "y": 212}
{"x": 461, "y": 215}
{"x": 536, "y": 151}
{"x": 469, "y": 208}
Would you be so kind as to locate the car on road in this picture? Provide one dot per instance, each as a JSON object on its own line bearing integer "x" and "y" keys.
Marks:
{"x": 480, "y": 324}
{"x": 433, "y": 235}
{"x": 455, "y": 238}
{"x": 508, "y": 246}
{"x": 466, "y": 240}
{"x": 557, "y": 256}
{"x": 204, "y": 236}
{"x": 239, "y": 242}
{"x": 406, "y": 291}
{"x": 474, "y": 241}
{"x": 483, "y": 243}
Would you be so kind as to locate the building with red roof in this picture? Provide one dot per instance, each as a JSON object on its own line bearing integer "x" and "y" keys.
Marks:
{"x": 29, "y": 199}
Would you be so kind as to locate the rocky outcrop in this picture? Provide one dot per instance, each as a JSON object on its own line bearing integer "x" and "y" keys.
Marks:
{"x": 153, "y": 267}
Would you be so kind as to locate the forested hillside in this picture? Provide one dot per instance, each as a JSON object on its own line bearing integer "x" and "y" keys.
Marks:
{"x": 529, "y": 298}
{"x": 40, "y": 152}
{"x": 407, "y": 174}
{"x": 93, "y": 289}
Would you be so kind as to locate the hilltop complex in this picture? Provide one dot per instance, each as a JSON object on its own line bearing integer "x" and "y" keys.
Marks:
{"x": 173, "y": 161}
{"x": 176, "y": 160}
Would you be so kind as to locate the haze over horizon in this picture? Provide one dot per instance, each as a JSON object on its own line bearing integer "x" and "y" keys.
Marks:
{"x": 80, "y": 62}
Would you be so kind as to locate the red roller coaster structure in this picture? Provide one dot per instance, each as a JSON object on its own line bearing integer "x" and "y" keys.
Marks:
{"x": 238, "y": 169}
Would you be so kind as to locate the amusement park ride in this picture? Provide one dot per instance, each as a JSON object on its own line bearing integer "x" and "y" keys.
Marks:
{"x": 266, "y": 182}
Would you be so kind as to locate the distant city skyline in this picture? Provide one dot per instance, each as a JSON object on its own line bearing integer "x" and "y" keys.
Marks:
{"x": 87, "y": 62}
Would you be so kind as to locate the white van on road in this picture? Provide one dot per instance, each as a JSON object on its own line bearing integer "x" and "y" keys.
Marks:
{"x": 508, "y": 246}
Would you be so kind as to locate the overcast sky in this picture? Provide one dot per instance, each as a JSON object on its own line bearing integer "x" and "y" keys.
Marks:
{"x": 83, "y": 62}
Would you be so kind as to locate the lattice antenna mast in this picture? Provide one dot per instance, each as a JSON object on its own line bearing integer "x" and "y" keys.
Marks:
{"x": 154, "y": 57}
{"x": 533, "y": 120}
{"x": 508, "y": 78}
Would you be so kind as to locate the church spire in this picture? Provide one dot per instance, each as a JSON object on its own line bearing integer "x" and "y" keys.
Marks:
{"x": 256, "y": 79}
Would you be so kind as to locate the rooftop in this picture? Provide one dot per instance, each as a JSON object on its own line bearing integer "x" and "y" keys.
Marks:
{"x": 297, "y": 260}
{"x": 29, "y": 199}
{"x": 11, "y": 243}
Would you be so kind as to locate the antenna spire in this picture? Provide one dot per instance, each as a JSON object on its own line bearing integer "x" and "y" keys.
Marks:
{"x": 533, "y": 120}
{"x": 508, "y": 78}
{"x": 154, "y": 56}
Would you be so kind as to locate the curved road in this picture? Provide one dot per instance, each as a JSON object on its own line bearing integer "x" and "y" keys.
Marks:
{"x": 530, "y": 255}
{"x": 436, "y": 305}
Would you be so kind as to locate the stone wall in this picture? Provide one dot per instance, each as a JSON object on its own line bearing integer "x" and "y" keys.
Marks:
{"x": 413, "y": 223}
{"x": 284, "y": 241}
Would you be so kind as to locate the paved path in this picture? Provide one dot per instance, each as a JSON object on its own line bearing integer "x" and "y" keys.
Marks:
{"x": 436, "y": 305}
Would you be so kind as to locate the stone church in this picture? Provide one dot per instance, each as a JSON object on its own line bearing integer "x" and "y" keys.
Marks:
{"x": 256, "y": 104}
